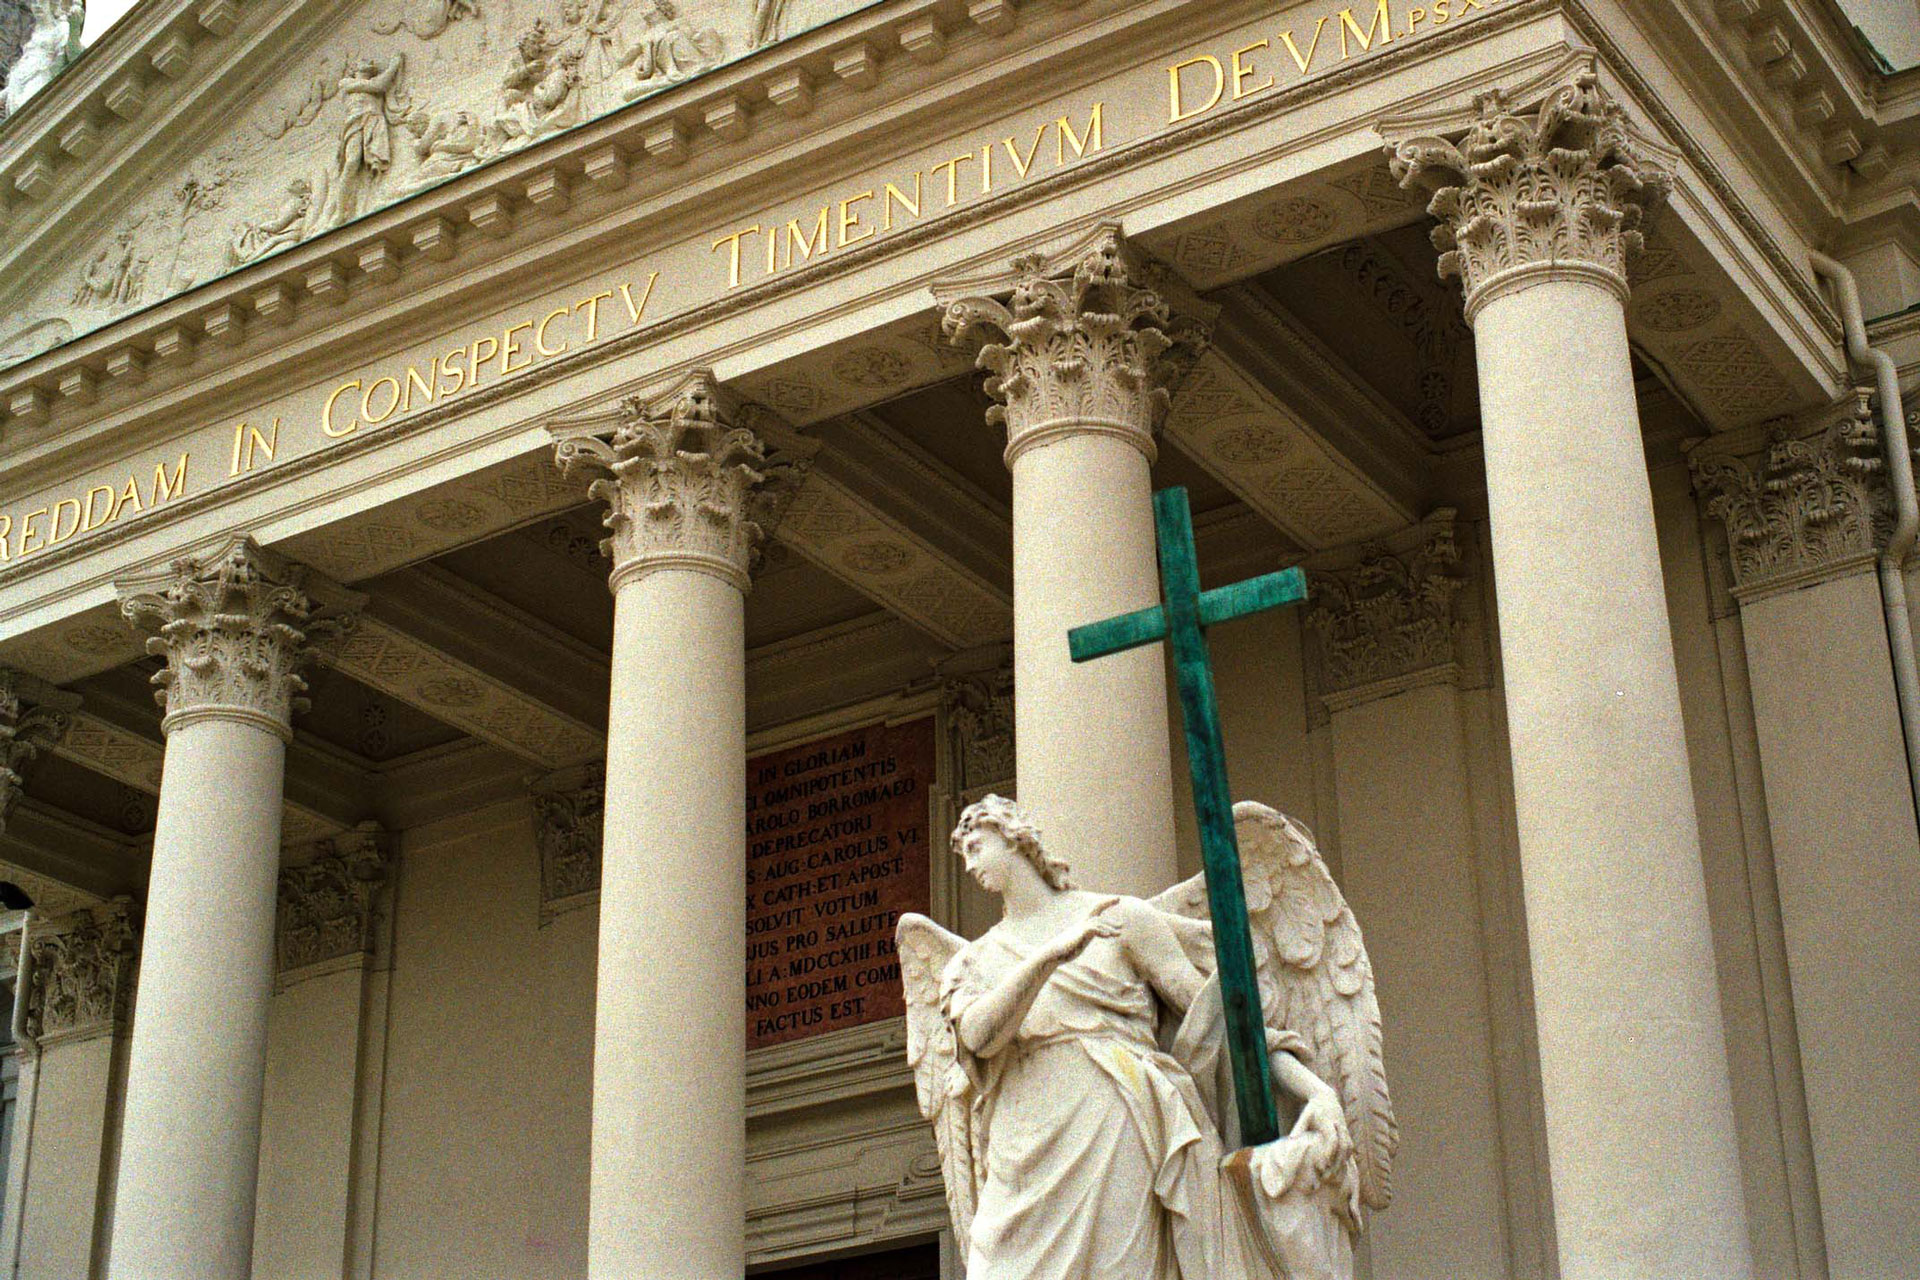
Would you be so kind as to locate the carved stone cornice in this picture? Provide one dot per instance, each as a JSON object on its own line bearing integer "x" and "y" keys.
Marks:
{"x": 1559, "y": 190}
{"x": 80, "y": 972}
{"x": 1802, "y": 501}
{"x": 687, "y": 481}
{"x": 977, "y": 702}
{"x": 1382, "y": 620}
{"x": 1086, "y": 344}
{"x": 329, "y": 904}
{"x": 235, "y": 626}
{"x": 34, "y": 717}
{"x": 567, "y": 828}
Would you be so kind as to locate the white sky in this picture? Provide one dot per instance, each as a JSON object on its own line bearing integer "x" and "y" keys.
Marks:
{"x": 102, "y": 14}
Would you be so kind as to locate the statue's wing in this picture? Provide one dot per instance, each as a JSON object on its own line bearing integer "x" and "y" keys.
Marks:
{"x": 1316, "y": 980}
{"x": 944, "y": 1090}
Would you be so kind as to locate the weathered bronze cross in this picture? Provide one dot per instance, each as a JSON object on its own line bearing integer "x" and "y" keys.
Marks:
{"x": 1182, "y": 621}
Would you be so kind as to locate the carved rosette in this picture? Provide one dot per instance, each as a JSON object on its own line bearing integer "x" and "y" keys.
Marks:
{"x": 567, "y": 827}
{"x": 34, "y": 717}
{"x": 328, "y": 905}
{"x": 1562, "y": 189}
{"x": 80, "y": 971}
{"x": 1386, "y": 622}
{"x": 1090, "y": 346}
{"x": 685, "y": 482}
{"x": 1813, "y": 503}
{"x": 236, "y": 627}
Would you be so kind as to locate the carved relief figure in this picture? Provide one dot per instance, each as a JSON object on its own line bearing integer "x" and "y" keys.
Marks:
{"x": 52, "y": 43}
{"x": 116, "y": 275}
{"x": 769, "y": 19}
{"x": 446, "y": 143}
{"x": 366, "y": 138}
{"x": 428, "y": 20}
{"x": 1073, "y": 1063}
{"x": 199, "y": 193}
{"x": 672, "y": 49}
{"x": 285, "y": 226}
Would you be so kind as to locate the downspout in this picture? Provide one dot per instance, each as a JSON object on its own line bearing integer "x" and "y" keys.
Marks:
{"x": 24, "y": 1105}
{"x": 1906, "y": 510}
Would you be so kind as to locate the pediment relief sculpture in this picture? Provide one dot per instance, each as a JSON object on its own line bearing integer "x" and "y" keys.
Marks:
{"x": 400, "y": 95}
{"x": 53, "y": 41}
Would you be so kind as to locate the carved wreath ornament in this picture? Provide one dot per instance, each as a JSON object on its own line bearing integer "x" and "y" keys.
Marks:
{"x": 1079, "y": 353}
{"x": 680, "y": 478}
{"x": 1566, "y": 184}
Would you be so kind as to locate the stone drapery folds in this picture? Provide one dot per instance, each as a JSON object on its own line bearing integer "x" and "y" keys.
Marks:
{"x": 1565, "y": 186}
{"x": 688, "y": 485}
{"x": 235, "y": 627}
{"x": 1089, "y": 345}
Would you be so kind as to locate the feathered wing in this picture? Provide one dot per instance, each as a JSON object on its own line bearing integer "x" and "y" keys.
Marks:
{"x": 1315, "y": 978}
{"x": 943, "y": 1089}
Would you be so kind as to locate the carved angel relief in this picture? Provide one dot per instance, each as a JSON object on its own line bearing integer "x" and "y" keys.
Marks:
{"x": 1072, "y": 1061}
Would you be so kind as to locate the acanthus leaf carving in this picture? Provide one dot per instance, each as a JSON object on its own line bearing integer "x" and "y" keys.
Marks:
{"x": 567, "y": 827}
{"x": 1567, "y": 184}
{"x": 686, "y": 485}
{"x": 235, "y": 627}
{"x": 1812, "y": 504}
{"x": 80, "y": 972}
{"x": 329, "y": 904}
{"x": 978, "y": 705}
{"x": 34, "y": 718}
{"x": 1088, "y": 346}
{"x": 1387, "y": 621}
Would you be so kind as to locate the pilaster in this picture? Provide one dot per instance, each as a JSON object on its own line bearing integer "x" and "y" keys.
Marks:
{"x": 1802, "y": 500}
{"x": 80, "y": 972}
{"x": 568, "y": 829}
{"x": 34, "y": 717}
{"x": 1382, "y": 617}
{"x": 329, "y": 903}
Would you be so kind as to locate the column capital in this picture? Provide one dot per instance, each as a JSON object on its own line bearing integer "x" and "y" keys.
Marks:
{"x": 1554, "y": 192}
{"x": 80, "y": 970}
{"x": 235, "y": 626}
{"x": 686, "y": 477}
{"x": 1381, "y": 617}
{"x": 1803, "y": 500}
{"x": 1088, "y": 342}
{"x": 976, "y": 697}
{"x": 34, "y": 717}
{"x": 327, "y": 903}
{"x": 568, "y": 826}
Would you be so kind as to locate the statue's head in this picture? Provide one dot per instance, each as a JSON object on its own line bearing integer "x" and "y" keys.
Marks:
{"x": 366, "y": 68}
{"x": 300, "y": 187}
{"x": 996, "y": 816}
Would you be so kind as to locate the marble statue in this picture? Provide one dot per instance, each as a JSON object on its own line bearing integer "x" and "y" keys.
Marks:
{"x": 52, "y": 42}
{"x": 1073, "y": 1063}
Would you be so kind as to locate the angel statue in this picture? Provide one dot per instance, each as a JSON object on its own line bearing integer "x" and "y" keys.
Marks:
{"x": 1073, "y": 1063}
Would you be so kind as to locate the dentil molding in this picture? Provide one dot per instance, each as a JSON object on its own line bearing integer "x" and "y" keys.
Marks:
{"x": 80, "y": 973}
{"x": 235, "y": 627}
{"x": 1802, "y": 500}
{"x": 1560, "y": 189}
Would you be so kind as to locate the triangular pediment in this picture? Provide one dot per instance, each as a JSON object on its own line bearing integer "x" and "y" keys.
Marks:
{"x": 226, "y": 134}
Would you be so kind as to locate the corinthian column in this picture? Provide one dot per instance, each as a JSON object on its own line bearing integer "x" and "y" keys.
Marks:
{"x": 1537, "y": 214}
{"x": 1077, "y": 358}
{"x": 681, "y": 481}
{"x": 234, "y": 628}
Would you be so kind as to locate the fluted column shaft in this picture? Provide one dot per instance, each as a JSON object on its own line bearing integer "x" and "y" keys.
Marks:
{"x": 1538, "y": 213}
{"x": 1076, "y": 359}
{"x": 234, "y": 628}
{"x": 667, "y": 1196}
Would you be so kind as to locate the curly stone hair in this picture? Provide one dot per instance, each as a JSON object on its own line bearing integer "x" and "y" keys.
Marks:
{"x": 1011, "y": 821}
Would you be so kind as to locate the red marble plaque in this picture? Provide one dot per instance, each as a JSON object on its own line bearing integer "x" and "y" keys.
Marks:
{"x": 837, "y": 849}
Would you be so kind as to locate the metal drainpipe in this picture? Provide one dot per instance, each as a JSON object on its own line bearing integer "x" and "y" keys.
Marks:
{"x": 1893, "y": 444}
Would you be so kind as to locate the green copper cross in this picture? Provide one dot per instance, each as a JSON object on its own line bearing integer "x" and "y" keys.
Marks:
{"x": 1183, "y": 621}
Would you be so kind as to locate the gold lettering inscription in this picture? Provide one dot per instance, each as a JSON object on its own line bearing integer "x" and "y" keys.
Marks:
{"x": 849, "y": 220}
{"x": 894, "y": 193}
{"x": 1176, "y": 109}
{"x": 540, "y": 332}
{"x": 1243, "y": 71}
{"x": 1306, "y": 61}
{"x": 326, "y": 412}
{"x": 248, "y": 443}
{"x": 1381, "y": 28}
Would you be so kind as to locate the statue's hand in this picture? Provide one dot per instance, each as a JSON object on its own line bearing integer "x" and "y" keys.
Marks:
{"x": 1322, "y": 1119}
{"x": 1097, "y": 923}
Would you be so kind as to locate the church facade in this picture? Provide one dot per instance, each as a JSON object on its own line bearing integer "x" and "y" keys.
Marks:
{"x": 523, "y": 522}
